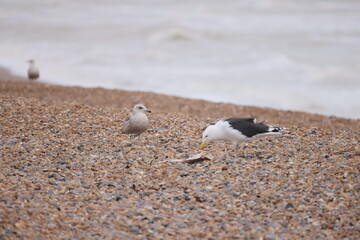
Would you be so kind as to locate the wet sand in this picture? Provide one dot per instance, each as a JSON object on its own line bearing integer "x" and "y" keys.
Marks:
{"x": 67, "y": 172}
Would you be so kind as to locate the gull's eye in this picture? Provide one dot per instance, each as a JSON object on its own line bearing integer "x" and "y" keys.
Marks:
{"x": 206, "y": 136}
{"x": 140, "y": 107}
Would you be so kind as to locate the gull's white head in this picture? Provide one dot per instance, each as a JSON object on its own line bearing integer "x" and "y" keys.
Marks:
{"x": 140, "y": 108}
{"x": 210, "y": 134}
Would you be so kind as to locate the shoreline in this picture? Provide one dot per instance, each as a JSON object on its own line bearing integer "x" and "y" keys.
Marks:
{"x": 164, "y": 103}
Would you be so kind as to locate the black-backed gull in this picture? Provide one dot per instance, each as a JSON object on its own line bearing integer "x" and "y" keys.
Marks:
{"x": 237, "y": 130}
{"x": 136, "y": 122}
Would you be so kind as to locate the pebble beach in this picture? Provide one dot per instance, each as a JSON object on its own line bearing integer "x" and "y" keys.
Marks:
{"x": 67, "y": 172}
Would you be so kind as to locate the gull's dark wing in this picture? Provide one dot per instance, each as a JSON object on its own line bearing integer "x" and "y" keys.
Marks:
{"x": 247, "y": 126}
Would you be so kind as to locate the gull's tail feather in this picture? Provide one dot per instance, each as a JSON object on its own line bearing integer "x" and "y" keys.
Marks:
{"x": 275, "y": 130}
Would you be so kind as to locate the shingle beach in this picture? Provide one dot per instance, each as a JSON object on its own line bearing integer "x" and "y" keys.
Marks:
{"x": 67, "y": 172}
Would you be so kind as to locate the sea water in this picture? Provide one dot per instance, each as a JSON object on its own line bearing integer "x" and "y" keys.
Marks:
{"x": 285, "y": 54}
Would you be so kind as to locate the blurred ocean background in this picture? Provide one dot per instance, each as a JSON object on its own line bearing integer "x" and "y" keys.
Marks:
{"x": 285, "y": 54}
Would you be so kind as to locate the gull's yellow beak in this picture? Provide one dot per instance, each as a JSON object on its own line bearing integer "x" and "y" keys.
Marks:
{"x": 202, "y": 146}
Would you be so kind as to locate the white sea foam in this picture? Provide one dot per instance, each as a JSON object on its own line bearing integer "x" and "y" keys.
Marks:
{"x": 297, "y": 55}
